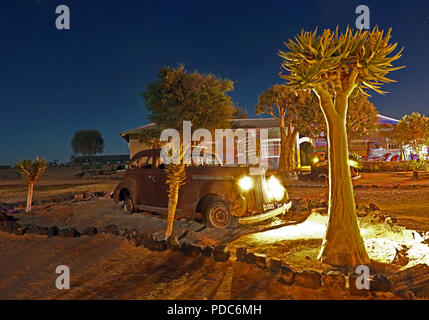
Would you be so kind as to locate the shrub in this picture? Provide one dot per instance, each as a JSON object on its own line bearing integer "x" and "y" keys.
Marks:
{"x": 391, "y": 166}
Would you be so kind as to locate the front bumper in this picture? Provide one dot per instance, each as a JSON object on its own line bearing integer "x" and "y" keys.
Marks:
{"x": 267, "y": 215}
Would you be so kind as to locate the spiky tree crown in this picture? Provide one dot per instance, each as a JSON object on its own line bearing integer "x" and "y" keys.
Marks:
{"x": 340, "y": 62}
{"x": 32, "y": 170}
{"x": 280, "y": 101}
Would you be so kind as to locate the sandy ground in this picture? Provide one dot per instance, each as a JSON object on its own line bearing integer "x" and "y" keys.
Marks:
{"x": 106, "y": 267}
{"x": 397, "y": 195}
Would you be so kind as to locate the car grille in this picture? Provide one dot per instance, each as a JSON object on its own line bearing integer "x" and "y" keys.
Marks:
{"x": 261, "y": 192}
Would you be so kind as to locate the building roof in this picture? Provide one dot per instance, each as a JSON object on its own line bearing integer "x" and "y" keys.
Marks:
{"x": 386, "y": 120}
{"x": 235, "y": 123}
{"x": 255, "y": 123}
{"x": 126, "y": 134}
{"x": 252, "y": 123}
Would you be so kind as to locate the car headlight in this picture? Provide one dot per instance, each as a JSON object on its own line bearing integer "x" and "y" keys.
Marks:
{"x": 245, "y": 183}
{"x": 353, "y": 163}
{"x": 276, "y": 188}
{"x": 315, "y": 160}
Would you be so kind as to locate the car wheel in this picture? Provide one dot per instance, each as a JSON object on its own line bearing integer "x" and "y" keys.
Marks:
{"x": 129, "y": 204}
{"x": 217, "y": 214}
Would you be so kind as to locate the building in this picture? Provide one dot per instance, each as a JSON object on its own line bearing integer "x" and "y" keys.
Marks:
{"x": 271, "y": 145}
{"x": 374, "y": 146}
{"x": 107, "y": 159}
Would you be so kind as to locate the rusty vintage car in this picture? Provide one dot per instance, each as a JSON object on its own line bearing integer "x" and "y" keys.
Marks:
{"x": 218, "y": 195}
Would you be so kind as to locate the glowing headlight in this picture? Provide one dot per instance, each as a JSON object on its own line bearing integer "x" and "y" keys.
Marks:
{"x": 276, "y": 188}
{"x": 315, "y": 160}
{"x": 245, "y": 183}
{"x": 353, "y": 163}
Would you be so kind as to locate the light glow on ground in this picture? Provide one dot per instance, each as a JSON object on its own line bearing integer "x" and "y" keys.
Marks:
{"x": 381, "y": 239}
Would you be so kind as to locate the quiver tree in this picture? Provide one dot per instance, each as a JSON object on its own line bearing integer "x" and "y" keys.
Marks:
{"x": 294, "y": 109}
{"x": 333, "y": 65}
{"x": 361, "y": 118}
{"x": 31, "y": 171}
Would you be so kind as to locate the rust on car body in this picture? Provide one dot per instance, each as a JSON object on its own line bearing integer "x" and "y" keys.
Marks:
{"x": 207, "y": 187}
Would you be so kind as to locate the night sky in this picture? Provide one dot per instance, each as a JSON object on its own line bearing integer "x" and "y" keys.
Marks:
{"x": 54, "y": 82}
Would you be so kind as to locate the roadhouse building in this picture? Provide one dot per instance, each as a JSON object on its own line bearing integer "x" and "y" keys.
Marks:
{"x": 374, "y": 146}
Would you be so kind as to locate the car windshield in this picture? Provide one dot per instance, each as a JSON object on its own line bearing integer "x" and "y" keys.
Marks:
{"x": 198, "y": 159}
{"x": 205, "y": 159}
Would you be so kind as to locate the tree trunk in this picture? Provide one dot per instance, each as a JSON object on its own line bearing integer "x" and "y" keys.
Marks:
{"x": 286, "y": 161}
{"x": 172, "y": 204}
{"x": 343, "y": 244}
{"x": 93, "y": 164}
{"x": 29, "y": 197}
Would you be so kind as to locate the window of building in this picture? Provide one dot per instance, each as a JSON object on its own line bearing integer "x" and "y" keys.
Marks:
{"x": 392, "y": 145}
{"x": 357, "y": 144}
{"x": 271, "y": 148}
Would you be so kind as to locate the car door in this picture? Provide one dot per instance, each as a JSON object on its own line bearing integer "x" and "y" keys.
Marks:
{"x": 159, "y": 185}
{"x": 142, "y": 175}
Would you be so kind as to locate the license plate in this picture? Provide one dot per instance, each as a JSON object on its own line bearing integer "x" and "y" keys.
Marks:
{"x": 268, "y": 206}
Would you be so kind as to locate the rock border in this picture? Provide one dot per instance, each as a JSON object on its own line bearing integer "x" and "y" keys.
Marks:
{"x": 310, "y": 279}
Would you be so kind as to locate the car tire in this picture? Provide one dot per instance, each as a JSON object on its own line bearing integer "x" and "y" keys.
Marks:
{"x": 129, "y": 207}
{"x": 217, "y": 214}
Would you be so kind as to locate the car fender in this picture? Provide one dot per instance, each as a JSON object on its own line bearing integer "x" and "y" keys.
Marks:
{"x": 228, "y": 191}
{"x": 128, "y": 184}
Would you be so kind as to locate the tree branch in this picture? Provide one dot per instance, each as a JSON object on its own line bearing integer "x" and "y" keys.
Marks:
{"x": 350, "y": 84}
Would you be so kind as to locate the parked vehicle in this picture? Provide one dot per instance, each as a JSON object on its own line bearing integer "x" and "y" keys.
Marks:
{"x": 220, "y": 196}
{"x": 375, "y": 152}
{"x": 320, "y": 167}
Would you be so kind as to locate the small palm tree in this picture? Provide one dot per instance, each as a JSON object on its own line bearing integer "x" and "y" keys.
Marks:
{"x": 31, "y": 171}
{"x": 176, "y": 177}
